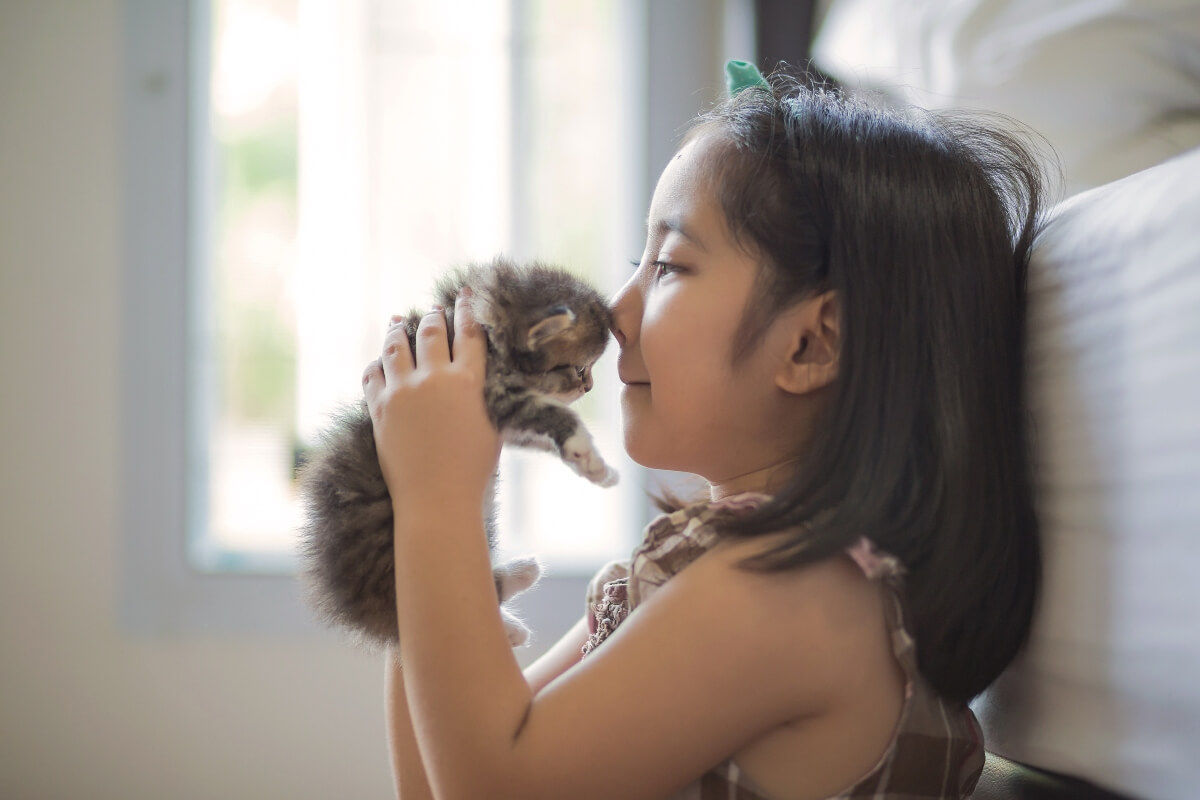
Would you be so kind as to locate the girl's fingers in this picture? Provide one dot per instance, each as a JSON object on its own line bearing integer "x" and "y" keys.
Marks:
{"x": 470, "y": 345}
{"x": 397, "y": 357}
{"x": 433, "y": 347}
{"x": 373, "y": 381}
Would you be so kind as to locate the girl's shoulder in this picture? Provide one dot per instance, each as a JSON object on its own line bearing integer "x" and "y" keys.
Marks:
{"x": 801, "y": 681}
{"x": 689, "y": 537}
{"x": 826, "y": 621}
{"x": 829, "y": 620}
{"x": 796, "y": 662}
{"x": 714, "y": 664}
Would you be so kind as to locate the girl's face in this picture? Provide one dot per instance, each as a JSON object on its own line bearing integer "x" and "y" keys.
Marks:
{"x": 685, "y": 406}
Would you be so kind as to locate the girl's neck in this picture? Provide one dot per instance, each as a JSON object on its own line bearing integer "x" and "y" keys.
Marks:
{"x": 767, "y": 480}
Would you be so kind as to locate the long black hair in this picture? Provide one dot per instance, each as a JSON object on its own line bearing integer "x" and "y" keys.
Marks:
{"x": 922, "y": 224}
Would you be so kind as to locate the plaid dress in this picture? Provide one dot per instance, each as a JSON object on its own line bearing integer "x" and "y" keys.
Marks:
{"x": 937, "y": 749}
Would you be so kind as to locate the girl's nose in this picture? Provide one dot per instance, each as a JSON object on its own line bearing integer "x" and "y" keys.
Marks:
{"x": 616, "y": 329}
{"x": 624, "y": 315}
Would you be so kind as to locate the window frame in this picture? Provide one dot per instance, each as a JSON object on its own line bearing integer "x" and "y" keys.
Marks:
{"x": 160, "y": 590}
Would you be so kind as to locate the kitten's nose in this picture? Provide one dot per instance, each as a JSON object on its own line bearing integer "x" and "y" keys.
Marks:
{"x": 587, "y": 381}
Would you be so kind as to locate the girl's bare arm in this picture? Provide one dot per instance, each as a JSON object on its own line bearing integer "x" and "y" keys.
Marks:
{"x": 565, "y": 653}
{"x": 408, "y": 771}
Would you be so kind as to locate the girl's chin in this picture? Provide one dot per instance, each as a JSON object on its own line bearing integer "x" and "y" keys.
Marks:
{"x": 644, "y": 454}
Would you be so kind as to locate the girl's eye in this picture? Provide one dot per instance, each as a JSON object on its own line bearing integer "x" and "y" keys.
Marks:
{"x": 662, "y": 268}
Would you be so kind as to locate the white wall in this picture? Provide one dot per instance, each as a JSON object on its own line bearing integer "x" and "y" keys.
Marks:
{"x": 86, "y": 710}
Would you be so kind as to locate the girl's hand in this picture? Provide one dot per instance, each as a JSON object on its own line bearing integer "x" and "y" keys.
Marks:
{"x": 436, "y": 446}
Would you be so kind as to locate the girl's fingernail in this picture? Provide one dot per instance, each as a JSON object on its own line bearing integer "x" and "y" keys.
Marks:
{"x": 465, "y": 292}
{"x": 397, "y": 319}
{"x": 438, "y": 307}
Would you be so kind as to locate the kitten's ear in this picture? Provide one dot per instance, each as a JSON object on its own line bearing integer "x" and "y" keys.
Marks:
{"x": 558, "y": 319}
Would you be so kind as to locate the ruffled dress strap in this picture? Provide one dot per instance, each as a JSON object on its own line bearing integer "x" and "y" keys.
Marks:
{"x": 937, "y": 748}
{"x": 607, "y": 603}
{"x": 670, "y": 543}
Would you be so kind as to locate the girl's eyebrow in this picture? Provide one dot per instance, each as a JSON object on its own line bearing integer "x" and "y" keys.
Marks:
{"x": 674, "y": 222}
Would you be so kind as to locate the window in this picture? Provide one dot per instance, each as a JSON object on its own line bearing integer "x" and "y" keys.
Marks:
{"x": 325, "y": 173}
{"x": 359, "y": 149}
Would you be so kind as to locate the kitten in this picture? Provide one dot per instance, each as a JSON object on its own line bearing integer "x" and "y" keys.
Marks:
{"x": 545, "y": 329}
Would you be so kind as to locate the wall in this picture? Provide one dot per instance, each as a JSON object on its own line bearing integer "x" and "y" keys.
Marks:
{"x": 86, "y": 710}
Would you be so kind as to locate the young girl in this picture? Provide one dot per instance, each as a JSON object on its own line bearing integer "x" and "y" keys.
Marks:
{"x": 826, "y": 324}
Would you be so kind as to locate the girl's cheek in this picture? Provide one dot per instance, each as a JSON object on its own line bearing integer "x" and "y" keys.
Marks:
{"x": 652, "y": 331}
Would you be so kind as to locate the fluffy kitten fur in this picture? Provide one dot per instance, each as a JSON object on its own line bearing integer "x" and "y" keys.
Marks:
{"x": 545, "y": 329}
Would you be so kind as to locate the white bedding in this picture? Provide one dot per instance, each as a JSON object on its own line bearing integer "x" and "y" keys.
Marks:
{"x": 1113, "y": 84}
{"x": 1110, "y": 686}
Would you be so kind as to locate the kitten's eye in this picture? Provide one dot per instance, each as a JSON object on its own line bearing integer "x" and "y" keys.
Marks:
{"x": 579, "y": 371}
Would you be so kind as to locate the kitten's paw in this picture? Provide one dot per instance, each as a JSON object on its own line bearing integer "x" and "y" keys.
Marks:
{"x": 517, "y": 631}
{"x": 515, "y": 576}
{"x": 580, "y": 453}
{"x": 610, "y": 477}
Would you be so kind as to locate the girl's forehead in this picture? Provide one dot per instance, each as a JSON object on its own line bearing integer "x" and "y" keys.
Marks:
{"x": 686, "y": 182}
{"x": 685, "y": 199}
{"x": 697, "y": 156}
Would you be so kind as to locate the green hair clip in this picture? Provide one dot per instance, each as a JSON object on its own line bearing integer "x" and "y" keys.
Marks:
{"x": 741, "y": 75}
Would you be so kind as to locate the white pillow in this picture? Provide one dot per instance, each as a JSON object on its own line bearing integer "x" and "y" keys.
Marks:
{"x": 1113, "y": 84}
{"x": 1109, "y": 688}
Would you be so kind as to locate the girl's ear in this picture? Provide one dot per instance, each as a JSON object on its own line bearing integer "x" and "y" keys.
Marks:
{"x": 813, "y": 333}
